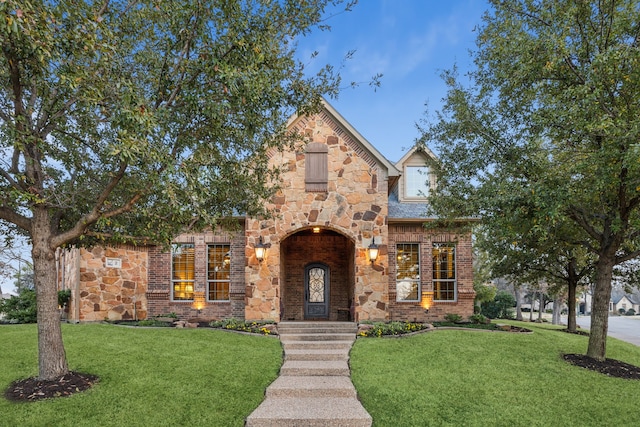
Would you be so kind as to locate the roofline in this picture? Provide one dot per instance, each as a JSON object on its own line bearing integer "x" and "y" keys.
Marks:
{"x": 417, "y": 148}
{"x": 422, "y": 220}
{"x": 392, "y": 170}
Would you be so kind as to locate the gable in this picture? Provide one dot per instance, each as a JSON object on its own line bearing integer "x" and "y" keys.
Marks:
{"x": 417, "y": 178}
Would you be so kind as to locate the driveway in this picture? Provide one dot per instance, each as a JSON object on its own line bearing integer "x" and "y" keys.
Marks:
{"x": 625, "y": 328}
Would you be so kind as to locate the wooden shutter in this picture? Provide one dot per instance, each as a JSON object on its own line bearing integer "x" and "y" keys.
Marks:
{"x": 316, "y": 167}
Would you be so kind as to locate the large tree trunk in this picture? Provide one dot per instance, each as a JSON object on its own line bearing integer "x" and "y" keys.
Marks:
{"x": 600, "y": 309}
{"x": 516, "y": 289}
{"x": 557, "y": 308}
{"x": 541, "y": 305}
{"x": 52, "y": 361}
{"x": 571, "y": 300}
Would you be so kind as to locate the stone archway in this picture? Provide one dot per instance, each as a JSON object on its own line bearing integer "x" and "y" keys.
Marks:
{"x": 325, "y": 246}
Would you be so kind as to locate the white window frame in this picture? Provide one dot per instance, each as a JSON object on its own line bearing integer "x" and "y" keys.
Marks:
{"x": 424, "y": 188}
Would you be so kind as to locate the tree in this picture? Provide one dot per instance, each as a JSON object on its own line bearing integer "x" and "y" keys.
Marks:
{"x": 124, "y": 121}
{"x": 549, "y": 125}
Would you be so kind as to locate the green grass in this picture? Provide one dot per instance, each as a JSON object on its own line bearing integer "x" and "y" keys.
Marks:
{"x": 148, "y": 377}
{"x": 473, "y": 378}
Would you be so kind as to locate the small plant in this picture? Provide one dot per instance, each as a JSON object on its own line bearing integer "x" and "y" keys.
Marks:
{"x": 453, "y": 318}
{"x": 478, "y": 319}
{"x": 379, "y": 329}
{"x": 152, "y": 322}
{"x": 621, "y": 311}
{"x": 64, "y": 297}
{"x": 256, "y": 327}
{"x": 631, "y": 312}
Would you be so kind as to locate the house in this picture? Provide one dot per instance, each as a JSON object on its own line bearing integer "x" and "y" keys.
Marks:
{"x": 348, "y": 243}
{"x": 622, "y": 301}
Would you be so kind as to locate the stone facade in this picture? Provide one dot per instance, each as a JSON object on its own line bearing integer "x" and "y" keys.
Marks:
{"x": 338, "y": 196}
{"x": 353, "y": 206}
{"x": 107, "y": 283}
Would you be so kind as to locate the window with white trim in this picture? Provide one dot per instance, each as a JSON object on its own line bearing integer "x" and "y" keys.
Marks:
{"x": 218, "y": 272}
{"x": 444, "y": 272}
{"x": 407, "y": 272}
{"x": 416, "y": 181}
{"x": 182, "y": 271}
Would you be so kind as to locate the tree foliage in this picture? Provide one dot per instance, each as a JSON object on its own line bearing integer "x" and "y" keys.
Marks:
{"x": 122, "y": 120}
{"x": 543, "y": 141}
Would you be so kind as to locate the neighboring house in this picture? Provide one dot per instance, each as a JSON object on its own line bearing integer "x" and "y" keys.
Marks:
{"x": 349, "y": 243}
{"x": 620, "y": 301}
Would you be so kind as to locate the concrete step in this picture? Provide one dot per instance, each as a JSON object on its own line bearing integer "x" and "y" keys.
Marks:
{"x": 351, "y": 326}
{"x": 313, "y": 354}
{"x": 317, "y": 337}
{"x": 309, "y": 412}
{"x": 311, "y": 386}
{"x": 315, "y": 368}
{"x": 315, "y": 345}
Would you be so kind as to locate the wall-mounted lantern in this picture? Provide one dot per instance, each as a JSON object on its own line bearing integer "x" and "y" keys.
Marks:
{"x": 260, "y": 249}
{"x": 373, "y": 251}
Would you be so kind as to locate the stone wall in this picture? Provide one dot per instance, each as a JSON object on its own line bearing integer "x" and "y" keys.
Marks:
{"x": 417, "y": 311}
{"x": 354, "y": 205}
{"x": 112, "y": 283}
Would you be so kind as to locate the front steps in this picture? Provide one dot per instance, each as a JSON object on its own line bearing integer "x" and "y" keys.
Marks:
{"x": 314, "y": 387}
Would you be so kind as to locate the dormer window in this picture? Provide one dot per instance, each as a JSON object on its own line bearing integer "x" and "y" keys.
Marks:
{"x": 416, "y": 182}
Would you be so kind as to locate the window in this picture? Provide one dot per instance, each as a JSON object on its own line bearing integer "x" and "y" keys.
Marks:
{"x": 444, "y": 272}
{"x": 218, "y": 272}
{"x": 316, "y": 167}
{"x": 408, "y": 272}
{"x": 182, "y": 270}
{"x": 416, "y": 179}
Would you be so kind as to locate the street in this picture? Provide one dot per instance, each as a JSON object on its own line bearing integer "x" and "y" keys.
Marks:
{"x": 625, "y": 328}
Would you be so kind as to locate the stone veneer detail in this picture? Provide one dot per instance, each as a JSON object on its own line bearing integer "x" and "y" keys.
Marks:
{"x": 355, "y": 206}
{"x": 100, "y": 292}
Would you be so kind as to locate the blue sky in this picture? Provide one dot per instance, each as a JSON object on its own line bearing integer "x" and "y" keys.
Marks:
{"x": 410, "y": 42}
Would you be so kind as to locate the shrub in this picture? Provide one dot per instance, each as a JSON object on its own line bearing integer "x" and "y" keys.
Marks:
{"x": 621, "y": 311}
{"x": 64, "y": 297}
{"x": 153, "y": 322}
{"x": 453, "y": 318}
{"x": 255, "y": 327}
{"x": 501, "y": 307}
{"x": 379, "y": 329}
{"x": 478, "y": 319}
{"x": 631, "y": 312}
{"x": 21, "y": 308}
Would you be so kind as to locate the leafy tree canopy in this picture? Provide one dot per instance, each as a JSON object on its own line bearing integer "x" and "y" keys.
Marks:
{"x": 543, "y": 142}
{"x": 122, "y": 119}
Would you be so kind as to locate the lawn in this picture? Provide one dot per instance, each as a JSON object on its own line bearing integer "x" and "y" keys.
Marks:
{"x": 472, "y": 378}
{"x": 148, "y": 376}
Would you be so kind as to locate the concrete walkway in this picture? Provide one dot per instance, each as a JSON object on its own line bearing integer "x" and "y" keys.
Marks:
{"x": 314, "y": 387}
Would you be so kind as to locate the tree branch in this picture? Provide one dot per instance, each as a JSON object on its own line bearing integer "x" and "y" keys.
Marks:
{"x": 15, "y": 218}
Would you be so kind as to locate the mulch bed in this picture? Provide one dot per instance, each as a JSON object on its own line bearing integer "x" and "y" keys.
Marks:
{"x": 610, "y": 367}
{"x": 32, "y": 389}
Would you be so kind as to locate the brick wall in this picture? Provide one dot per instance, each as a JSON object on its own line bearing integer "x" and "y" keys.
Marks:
{"x": 159, "y": 294}
{"x": 329, "y": 248}
{"x": 416, "y": 311}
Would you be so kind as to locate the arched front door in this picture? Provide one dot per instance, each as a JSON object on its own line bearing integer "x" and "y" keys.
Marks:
{"x": 316, "y": 291}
